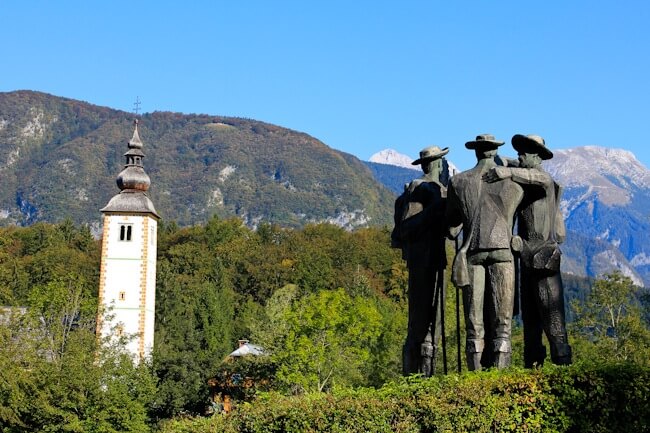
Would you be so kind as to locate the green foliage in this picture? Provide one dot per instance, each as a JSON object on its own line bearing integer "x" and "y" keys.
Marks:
{"x": 328, "y": 306}
{"x": 272, "y": 328}
{"x": 58, "y": 308}
{"x": 385, "y": 363}
{"x": 35, "y": 256}
{"x": 612, "y": 323}
{"x": 607, "y": 398}
{"x": 329, "y": 339}
{"x": 194, "y": 322}
{"x": 222, "y": 282}
{"x": 74, "y": 393}
{"x": 55, "y": 377}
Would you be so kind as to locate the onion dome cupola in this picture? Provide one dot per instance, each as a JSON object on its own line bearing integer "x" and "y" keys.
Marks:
{"x": 133, "y": 182}
{"x": 133, "y": 176}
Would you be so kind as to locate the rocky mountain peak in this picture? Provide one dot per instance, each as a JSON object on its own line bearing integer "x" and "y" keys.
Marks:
{"x": 393, "y": 157}
{"x": 580, "y": 164}
{"x": 613, "y": 175}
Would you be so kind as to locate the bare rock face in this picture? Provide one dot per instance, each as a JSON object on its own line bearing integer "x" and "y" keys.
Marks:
{"x": 612, "y": 175}
{"x": 606, "y": 198}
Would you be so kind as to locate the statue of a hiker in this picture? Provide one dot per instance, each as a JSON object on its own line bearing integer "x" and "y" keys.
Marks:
{"x": 420, "y": 233}
{"x": 484, "y": 265}
{"x": 541, "y": 227}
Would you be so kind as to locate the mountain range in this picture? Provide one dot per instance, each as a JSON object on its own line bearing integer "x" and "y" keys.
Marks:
{"x": 605, "y": 203}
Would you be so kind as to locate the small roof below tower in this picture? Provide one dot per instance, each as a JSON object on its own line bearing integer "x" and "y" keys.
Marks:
{"x": 245, "y": 349}
{"x": 133, "y": 182}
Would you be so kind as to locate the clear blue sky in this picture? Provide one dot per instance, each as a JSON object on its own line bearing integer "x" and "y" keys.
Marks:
{"x": 360, "y": 76}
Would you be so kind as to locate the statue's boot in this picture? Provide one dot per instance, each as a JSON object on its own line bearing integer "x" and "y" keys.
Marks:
{"x": 411, "y": 361}
{"x": 502, "y": 359}
{"x": 428, "y": 359}
{"x": 473, "y": 360}
{"x": 501, "y": 353}
{"x": 534, "y": 356}
{"x": 561, "y": 354}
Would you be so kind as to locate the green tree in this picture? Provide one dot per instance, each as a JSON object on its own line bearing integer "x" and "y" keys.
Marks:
{"x": 55, "y": 377}
{"x": 385, "y": 363}
{"x": 328, "y": 342}
{"x": 61, "y": 307}
{"x": 272, "y": 328}
{"x": 195, "y": 308}
{"x": 35, "y": 256}
{"x": 611, "y": 321}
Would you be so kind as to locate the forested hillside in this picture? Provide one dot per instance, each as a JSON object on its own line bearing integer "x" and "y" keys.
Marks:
{"x": 59, "y": 159}
{"x": 327, "y": 305}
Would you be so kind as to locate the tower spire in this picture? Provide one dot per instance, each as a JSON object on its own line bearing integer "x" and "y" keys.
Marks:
{"x": 133, "y": 177}
{"x": 133, "y": 181}
{"x": 135, "y": 142}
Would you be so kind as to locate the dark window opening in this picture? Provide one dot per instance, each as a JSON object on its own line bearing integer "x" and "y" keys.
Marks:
{"x": 125, "y": 232}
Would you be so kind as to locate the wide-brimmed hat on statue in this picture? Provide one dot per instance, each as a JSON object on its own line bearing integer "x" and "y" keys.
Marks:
{"x": 531, "y": 144}
{"x": 484, "y": 141}
{"x": 430, "y": 153}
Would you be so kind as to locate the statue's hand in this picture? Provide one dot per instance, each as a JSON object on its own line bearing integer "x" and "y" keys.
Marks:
{"x": 496, "y": 174}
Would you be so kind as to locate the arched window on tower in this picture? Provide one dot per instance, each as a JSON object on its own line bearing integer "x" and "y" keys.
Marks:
{"x": 126, "y": 232}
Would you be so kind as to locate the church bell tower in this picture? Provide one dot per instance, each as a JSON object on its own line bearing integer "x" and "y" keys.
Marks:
{"x": 127, "y": 281}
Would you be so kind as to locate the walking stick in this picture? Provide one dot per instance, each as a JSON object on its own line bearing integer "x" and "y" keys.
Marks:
{"x": 441, "y": 300}
{"x": 458, "y": 357}
{"x": 515, "y": 308}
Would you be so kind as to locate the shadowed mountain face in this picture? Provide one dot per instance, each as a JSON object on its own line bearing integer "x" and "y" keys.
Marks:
{"x": 59, "y": 158}
{"x": 392, "y": 176}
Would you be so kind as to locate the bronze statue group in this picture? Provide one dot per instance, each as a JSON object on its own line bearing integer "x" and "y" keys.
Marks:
{"x": 505, "y": 218}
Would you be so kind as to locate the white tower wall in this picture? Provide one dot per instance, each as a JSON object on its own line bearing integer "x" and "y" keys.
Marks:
{"x": 127, "y": 287}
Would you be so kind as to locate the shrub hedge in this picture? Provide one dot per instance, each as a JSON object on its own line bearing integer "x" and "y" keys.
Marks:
{"x": 579, "y": 398}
